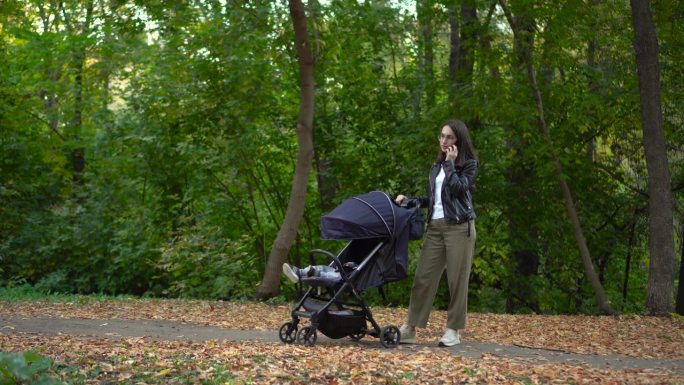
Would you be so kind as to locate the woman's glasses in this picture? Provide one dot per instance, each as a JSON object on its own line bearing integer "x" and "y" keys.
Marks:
{"x": 448, "y": 138}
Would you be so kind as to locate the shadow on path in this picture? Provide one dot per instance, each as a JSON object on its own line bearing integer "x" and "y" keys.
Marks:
{"x": 172, "y": 330}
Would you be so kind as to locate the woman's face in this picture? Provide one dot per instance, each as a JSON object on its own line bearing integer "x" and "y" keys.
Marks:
{"x": 447, "y": 138}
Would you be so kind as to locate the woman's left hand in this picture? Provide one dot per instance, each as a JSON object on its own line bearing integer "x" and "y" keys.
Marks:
{"x": 452, "y": 153}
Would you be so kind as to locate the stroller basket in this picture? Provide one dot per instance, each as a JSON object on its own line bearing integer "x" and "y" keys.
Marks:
{"x": 338, "y": 323}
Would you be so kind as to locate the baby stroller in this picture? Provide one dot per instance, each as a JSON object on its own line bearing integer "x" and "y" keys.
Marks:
{"x": 377, "y": 253}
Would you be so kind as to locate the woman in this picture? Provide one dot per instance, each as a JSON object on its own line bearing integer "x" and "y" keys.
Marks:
{"x": 450, "y": 236}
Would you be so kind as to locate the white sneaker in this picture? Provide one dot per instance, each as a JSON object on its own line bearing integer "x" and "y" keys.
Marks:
{"x": 408, "y": 334}
{"x": 450, "y": 338}
{"x": 290, "y": 273}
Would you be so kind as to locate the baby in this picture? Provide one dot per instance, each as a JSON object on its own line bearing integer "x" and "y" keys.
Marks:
{"x": 294, "y": 273}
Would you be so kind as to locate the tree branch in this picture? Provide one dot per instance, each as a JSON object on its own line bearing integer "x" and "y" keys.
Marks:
{"x": 618, "y": 178}
{"x": 507, "y": 12}
{"x": 245, "y": 217}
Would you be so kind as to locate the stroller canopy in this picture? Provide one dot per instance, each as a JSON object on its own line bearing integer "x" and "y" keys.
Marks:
{"x": 366, "y": 220}
{"x": 371, "y": 215}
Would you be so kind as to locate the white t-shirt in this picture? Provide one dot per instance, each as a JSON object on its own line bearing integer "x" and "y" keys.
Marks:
{"x": 438, "y": 213}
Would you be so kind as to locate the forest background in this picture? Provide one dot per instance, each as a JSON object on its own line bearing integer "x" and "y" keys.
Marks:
{"x": 148, "y": 147}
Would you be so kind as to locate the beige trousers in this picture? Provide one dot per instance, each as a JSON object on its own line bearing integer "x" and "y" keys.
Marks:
{"x": 446, "y": 246}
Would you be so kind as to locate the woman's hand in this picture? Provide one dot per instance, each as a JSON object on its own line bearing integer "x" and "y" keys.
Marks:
{"x": 400, "y": 199}
{"x": 452, "y": 152}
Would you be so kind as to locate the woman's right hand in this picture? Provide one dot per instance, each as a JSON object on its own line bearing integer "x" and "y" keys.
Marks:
{"x": 400, "y": 199}
{"x": 452, "y": 152}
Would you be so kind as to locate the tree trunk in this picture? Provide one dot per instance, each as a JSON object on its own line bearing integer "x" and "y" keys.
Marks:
{"x": 270, "y": 285}
{"x": 424, "y": 11}
{"x": 660, "y": 217}
{"x": 53, "y": 72}
{"x": 78, "y": 63}
{"x": 463, "y": 41}
{"x": 78, "y": 153}
{"x": 454, "y": 50}
{"x": 589, "y": 270}
{"x": 592, "y": 49}
{"x": 680, "y": 292}
{"x": 628, "y": 263}
{"x": 523, "y": 233}
{"x": 486, "y": 38}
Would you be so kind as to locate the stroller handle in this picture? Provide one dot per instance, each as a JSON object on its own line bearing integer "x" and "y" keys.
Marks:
{"x": 410, "y": 203}
{"x": 332, "y": 256}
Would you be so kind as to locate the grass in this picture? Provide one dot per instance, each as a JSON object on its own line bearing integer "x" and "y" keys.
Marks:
{"x": 29, "y": 293}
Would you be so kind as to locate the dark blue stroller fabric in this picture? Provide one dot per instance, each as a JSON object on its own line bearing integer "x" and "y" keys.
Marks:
{"x": 366, "y": 220}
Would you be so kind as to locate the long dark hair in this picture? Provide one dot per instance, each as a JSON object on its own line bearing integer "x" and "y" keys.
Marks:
{"x": 466, "y": 151}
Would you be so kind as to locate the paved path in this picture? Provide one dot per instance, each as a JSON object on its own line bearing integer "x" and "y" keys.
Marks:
{"x": 171, "y": 330}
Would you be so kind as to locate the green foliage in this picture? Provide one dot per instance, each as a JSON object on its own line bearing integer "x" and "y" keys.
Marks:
{"x": 202, "y": 264}
{"x": 187, "y": 119}
{"x": 26, "y": 368}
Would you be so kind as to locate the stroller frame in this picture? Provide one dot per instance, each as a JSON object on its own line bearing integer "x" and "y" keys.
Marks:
{"x": 356, "y": 327}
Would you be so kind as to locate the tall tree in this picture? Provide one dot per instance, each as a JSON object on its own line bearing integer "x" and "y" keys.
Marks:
{"x": 424, "y": 9}
{"x": 270, "y": 285}
{"x": 660, "y": 217}
{"x": 523, "y": 233}
{"x": 80, "y": 31}
{"x": 464, "y": 30}
{"x": 680, "y": 291}
{"x": 601, "y": 298}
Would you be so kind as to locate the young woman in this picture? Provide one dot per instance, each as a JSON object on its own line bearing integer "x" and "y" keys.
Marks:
{"x": 450, "y": 237}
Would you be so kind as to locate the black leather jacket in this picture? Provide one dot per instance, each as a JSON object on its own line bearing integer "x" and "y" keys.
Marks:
{"x": 457, "y": 198}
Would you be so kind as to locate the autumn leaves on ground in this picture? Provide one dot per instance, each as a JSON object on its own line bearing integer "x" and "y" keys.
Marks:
{"x": 88, "y": 359}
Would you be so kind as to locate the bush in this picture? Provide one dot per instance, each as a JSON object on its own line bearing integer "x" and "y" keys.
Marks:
{"x": 200, "y": 263}
{"x": 25, "y": 368}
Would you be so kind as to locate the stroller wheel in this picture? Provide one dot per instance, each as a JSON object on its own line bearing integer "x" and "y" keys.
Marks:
{"x": 358, "y": 335}
{"x": 390, "y": 336}
{"x": 307, "y": 336}
{"x": 288, "y": 332}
